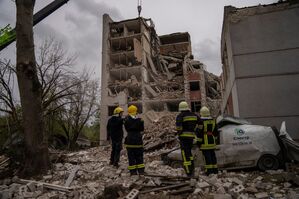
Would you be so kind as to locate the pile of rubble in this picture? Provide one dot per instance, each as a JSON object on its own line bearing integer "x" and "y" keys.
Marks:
{"x": 161, "y": 131}
{"x": 87, "y": 174}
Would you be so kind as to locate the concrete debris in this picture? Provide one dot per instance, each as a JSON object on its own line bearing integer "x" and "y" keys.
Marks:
{"x": 161, "y": 132}
{"x": 93, "y": 177}
{"x": 71, "y": 176}
{"x": 203, "y": 184}
{"x": 261, "y": 195}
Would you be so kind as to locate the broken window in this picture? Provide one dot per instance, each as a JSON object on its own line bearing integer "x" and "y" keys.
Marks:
{"x": 155, "y": 106}
{"x": 194, "y": 86}
{"x": 195, "y": 106}
{"x": 117, "y": 31}
{"x": 173, "y": 106}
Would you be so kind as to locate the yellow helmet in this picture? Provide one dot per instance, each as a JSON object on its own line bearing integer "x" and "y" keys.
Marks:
{"x": 132, "y": 110}
{"x": 204, "y": 112}
{"x": 117, "y": 110}
{"x": 183, "y": 106}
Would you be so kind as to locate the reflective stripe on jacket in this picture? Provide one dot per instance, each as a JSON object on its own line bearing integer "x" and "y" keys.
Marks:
{"x": 207, "y": 133}
{"x": 186, "y": 123}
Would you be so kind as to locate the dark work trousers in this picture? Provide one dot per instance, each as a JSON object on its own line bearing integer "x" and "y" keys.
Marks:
{"x": 210, "y": 161}
{"x": 135, "y": 157}
{"x": 115, "y": 153}
{"x": 188, "y": 162}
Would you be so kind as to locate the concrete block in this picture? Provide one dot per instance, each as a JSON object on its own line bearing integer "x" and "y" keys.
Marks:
{"x": 198, "y": 191}
{"x": 6, "y": 194}
{"x": 213, "y": 180}
{"x": 59, "y": 166}
{"x": 53, "y": 196}
{"x": 221, "y": 190}
{"x": 7, "y": 181}
{"x": 28, "y": 195}
{"x": 133, "y": 194}
{"x": 251, "y": 190}
{"x": 243, "y": 196}
{"x": 262, "y": 195}
{"x": 237, "y": 189}
{"x": 3, "y": 187}
{"x": 237, "y": 181}
{"x": 287, "y": 185}
{"x": 15, "y": 179}
{"x": 277, "y": 195}
{"x": 40, "y": 187}
{"x": 259, "y": 178}
{"x": 23, "y": 189}
{"x": 14, "y": 187}
{"x": 47, "y": 177}
{"x": 222, "y": 196}
{"x": 203, "y": 184}
{"x": 31, "y": 186}
{"x": 119, "y": 171}
{"x": 227, "y": 185}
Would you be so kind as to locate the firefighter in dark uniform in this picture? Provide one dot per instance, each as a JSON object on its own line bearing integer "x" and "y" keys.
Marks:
{"x": 115, "y": 133}
{"x": 186, "y": 123}
{"x": 208, "y": 134}
{"x": 133, "y": 142}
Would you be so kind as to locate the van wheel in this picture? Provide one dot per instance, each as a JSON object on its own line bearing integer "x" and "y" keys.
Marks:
{"x": 268, "y": 162}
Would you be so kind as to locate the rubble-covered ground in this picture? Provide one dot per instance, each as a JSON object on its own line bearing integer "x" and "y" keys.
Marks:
{"x": 87, "y": 174}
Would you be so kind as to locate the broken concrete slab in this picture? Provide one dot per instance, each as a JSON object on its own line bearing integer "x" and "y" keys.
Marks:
{"x": 203, "y": 185}
{"x": 71, "y": 176}
{"x": 261, "y": 195}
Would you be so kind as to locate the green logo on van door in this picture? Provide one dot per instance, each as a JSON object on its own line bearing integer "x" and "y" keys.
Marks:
{"x": 239, "y": 132}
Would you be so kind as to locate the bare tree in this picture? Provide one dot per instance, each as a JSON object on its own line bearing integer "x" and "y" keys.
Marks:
{"x": 7, "y": 99}
{"x": 54, "y": 72}
{"x": 36, "y": 146}
{"x": 80, "y": 108}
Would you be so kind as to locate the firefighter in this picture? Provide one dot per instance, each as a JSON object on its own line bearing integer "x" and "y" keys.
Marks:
{"x": 115, "y": 133}
{"x": 186, "y": 123}
{"x": 133, "y": 142}
{"x": 208, "y": 133}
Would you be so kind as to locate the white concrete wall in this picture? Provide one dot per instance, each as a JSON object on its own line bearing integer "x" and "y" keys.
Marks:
{"x": 104, "y": 78}
{"x": 265, "y": 51}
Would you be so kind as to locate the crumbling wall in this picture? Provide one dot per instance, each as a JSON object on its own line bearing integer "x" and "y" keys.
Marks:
{"x": 152, "y": 72}
{"x": 213, "y": 92}
{"x": 161, "y": 131}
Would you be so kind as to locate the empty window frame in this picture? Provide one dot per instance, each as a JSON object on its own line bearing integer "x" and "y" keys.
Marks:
{"x": 194, "y": 86}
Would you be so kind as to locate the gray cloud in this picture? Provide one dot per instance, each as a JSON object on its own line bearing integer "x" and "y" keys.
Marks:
{"x": 208, "y": 52}
{"x": 78, "y": 25}
{"x": 7, "y": 16}
{"x": 97, "y": 9}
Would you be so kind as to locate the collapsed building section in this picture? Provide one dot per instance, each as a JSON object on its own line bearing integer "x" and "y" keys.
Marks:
{"x": 154, "y": 73}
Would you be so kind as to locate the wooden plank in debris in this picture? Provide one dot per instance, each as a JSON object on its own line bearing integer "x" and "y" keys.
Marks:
{"x": 160, "y": 144}
{"x": 171, "y": 58}
{"x": 46, "y": 185}
{"x": 165, "y": 188}
{"x": 4, "y": 161}
{"x": 71, "y": 176}
{"x": 168, "y": 177}
{"x": 182, "y": 190}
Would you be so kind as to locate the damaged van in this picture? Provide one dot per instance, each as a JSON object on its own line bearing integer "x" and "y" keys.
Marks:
{"x": 242, "y": 145}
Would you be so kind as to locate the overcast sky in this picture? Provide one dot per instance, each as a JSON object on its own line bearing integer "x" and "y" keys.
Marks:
{"x": 78, "y": 24}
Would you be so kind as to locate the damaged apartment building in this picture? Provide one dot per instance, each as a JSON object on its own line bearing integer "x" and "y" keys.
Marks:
{"x": 154, "y": 73}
